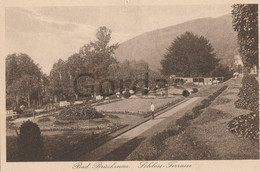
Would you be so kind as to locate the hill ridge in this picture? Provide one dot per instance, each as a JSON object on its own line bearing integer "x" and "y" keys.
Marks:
{"x": 151, "y": 46}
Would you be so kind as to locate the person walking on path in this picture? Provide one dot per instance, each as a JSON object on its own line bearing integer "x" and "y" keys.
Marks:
{"x": 152, "y": 109}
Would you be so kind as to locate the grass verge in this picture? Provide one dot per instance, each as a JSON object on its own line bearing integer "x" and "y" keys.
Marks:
{"x": 155, "y": 146}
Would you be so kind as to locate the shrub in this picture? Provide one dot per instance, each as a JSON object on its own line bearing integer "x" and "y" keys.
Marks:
{"x": 27, "y": 113}
{"x": 211, "y": 97}
{"x": 205, "y": 102}
{"x": 44, "y": 120}
{"x": 185, "y": 93}
{"x": 144, "y": 91}
{"x": 30, "y": 142}
{"x": 249, "y": 83}
{"x": 78, "y": 113}
{"x": 195, "y": 90}
{"x": 114, "y": 96}
{"x": 126, "y": 94}
{"x": 99, "y": 121}
{"x": 249, "y": 94}
{"x": 157, "y": 139}
{"x": 58, "y": 122}
{"x": 183, "y": 122}
{"x": 245, "y": 125}
{"x": 196, "y": 111}
{"x": 112, "y": 116}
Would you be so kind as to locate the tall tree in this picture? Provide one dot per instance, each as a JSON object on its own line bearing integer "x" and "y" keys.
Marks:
{"x": 23, "y": 80}
{"x": 189, "y": 55}
{"x": 99, "y": 55}
{"x": 58, "y": 78}
{"x": 95, "y": 58}
{"x": 245, "y": 22}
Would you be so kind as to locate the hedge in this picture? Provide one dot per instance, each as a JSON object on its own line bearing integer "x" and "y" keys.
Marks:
{"x": 196, "y": 111}
{"x": 183, "y": 122}
{"x": 247, "y": 125}
{"x": 249, "y": 94}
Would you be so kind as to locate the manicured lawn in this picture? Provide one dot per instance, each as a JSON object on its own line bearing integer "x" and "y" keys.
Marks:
{"x": 206, "y": 137}
{"x": 137, "y": 105}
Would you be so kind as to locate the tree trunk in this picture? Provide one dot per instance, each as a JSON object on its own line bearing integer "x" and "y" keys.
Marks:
{"x": 39, "y": 99}
{"x": 17, "y": 100}
{"x": 28, "y": 101}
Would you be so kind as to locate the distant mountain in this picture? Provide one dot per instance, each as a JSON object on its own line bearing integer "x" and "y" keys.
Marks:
{"x": 151, "y": 46}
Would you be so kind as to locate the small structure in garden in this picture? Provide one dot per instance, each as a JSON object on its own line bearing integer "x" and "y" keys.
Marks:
{"x": 11, "y": 114}
{"x": 78, "y": 102}
{"x": 64, "y": 103}
{"x": 197, "y": 80}
{"x": 208, "y": 80}
{"x": 118, "y": 94}
{"x": 235, "y": 75}
{"x": 99, "y": 97}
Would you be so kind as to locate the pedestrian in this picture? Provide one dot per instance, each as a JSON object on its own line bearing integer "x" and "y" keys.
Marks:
{"x": 152, "y": 109}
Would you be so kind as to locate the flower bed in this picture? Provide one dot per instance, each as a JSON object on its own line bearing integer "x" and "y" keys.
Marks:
{"x": 112, "y": 116}
{"x": 44, "y": 119}
{"x": 78, "y": 113}
{"x": 61, "y": 122}
{"x": 73, "y": 128}
{"x": 245, "y": 125}
{"x": 249, "y": 94}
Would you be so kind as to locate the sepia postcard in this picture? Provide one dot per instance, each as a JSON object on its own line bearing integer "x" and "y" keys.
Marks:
{"x": 129, "y": 85}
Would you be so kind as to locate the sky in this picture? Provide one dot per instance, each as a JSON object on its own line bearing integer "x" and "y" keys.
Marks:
{"x": 50, "y": 33}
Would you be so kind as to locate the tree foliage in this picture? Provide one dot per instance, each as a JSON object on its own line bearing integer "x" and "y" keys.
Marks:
{"x": 95, "y": 58}
{"x": 99, "y": 55}
{"x": 245, "y": 22}
{"x": 132, "y": 71}
{"x": 129, "y": 69}
{"x": 189, "y": 55}
{"x": 24, "y": 82}
{"x": 222, "y": 71}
